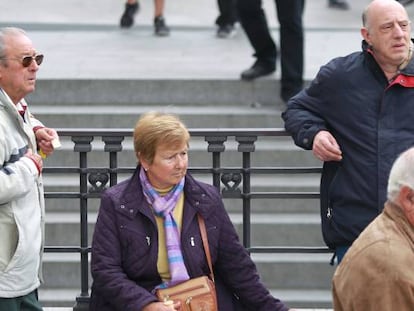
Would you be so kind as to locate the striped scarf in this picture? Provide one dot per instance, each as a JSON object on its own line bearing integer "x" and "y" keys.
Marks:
{"x": 164, "y": 207}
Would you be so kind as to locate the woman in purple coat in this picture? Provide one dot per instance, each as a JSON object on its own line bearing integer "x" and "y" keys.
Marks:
{"x": 155, "y": 208}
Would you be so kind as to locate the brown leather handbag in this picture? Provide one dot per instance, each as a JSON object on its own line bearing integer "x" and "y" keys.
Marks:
{"x": 198, "y": 294}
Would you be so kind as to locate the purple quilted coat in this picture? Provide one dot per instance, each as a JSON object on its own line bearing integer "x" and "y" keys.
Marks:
{"x": 125, "y": 249}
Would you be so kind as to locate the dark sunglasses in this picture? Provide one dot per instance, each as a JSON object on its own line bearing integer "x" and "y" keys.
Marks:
{"x": 27, "y": 60}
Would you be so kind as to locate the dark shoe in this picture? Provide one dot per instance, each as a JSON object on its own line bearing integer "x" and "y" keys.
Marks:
{"x": 226, "y": 31}
{"x": 127, "y": 19}
{"x": 405, "y": 2}
{"x": 257, "y": 70}
{"x": 338, "y": 4}
{"x": 160, "y": 27}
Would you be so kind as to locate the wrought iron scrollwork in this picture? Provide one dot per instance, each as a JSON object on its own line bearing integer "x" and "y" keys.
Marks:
{"x": 231, "y": 182}
{"x": 98, "y": 181}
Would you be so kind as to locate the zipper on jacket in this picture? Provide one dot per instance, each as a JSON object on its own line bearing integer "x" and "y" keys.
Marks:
{"x": 192, "y": 241}
{"x": 329, "y": 213}
{"x": 148, "y": 240}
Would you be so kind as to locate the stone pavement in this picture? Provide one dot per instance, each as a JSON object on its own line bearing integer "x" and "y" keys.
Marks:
{"x": 81, "y": 39}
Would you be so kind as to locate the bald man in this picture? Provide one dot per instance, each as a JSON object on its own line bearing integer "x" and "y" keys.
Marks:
{"x": 356, "y": 116}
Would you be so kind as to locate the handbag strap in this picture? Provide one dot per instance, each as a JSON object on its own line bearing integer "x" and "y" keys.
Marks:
{"x": 205, "y": 243}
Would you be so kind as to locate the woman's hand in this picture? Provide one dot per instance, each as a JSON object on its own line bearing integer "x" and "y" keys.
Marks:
{"x": 161, "y": 306}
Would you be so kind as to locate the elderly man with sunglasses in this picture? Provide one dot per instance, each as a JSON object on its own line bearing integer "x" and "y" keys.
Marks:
{"x": 21, "y": 187}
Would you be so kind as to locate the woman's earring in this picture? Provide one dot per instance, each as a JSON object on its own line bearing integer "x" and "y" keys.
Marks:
{"x": 145, "y": 169}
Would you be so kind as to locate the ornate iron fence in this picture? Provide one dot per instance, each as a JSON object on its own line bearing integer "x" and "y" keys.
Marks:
{"x": 234, "y": 183}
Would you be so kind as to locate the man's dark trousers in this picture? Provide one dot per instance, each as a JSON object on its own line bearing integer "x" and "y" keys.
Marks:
{"x": 228, "y": 12}
{"x": 289, "y": 12}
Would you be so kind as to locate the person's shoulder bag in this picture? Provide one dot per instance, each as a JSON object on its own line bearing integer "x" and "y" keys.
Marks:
{"x": 198, "y": 294}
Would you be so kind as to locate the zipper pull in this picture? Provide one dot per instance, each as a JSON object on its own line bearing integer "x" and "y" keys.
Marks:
{"x": 192, "y": 241}
{"x": 148, "y": 240}
{"x": 329, "y": 213}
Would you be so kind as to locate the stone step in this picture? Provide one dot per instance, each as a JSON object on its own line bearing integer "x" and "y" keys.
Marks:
{"x": 273, "y": 206}
{"x": 276, "y": 182}
{"x": 297, "y": 296}
{"x": 300, "y": 271}
{"x": 264, "y": 184}
{"x": 151, "y": 93}
{"x": 121, "y": 116}
{"x": 301, "y": 300}
{"x": 58, "y": 299}
{"x": 63, "y": 229}
{"x": 269, "y": 151}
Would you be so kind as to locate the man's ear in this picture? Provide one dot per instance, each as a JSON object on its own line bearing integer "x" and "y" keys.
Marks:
{"x": 406, "y": 202}
{"x": 365, "y": 35}
{"x": 406, "y": 196}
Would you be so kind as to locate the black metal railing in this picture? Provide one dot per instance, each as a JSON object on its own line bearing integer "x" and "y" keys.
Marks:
{"x": 234, "y": 181}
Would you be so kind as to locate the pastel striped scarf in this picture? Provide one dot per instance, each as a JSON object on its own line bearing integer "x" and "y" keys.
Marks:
{"x": 164, "y": 207}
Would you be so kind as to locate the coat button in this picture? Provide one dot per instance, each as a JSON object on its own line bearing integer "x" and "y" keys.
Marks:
{"x": 197, "y": 203}
{"x": 131, "y": 211}
{"x": 122, "y": 206}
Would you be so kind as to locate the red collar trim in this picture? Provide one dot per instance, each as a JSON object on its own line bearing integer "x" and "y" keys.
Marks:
{"x": 403, "y": 80}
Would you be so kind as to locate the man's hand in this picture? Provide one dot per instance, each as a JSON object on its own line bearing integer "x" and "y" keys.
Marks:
{"x": 44, "y": 138}
{"x": 325, "y": 147}
{"x": 37, "y": 159}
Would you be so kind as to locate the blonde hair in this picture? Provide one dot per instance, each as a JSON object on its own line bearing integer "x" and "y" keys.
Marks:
{"x": 158, "y": 128}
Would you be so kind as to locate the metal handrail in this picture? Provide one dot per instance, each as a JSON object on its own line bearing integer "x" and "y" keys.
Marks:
{"x": 234, "y": 182}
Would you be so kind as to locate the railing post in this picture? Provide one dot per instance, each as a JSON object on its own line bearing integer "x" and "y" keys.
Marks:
{"x": 216, "y": 146}
{"x": 83, "y": 146}
{"x": 113, "y": 145}
{"x": 246, "y": 146}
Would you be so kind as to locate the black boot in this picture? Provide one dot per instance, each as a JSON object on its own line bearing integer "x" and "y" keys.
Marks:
{"x": 127, "y": 19}
{"x": 160, "y": 27}
{"x": 259, "y": 69}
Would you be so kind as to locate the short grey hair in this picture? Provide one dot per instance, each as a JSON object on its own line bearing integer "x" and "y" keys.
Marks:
{"x": 5, "y": 32}
{"x": 364, "y": 17}
{"x": 401, "y": 174}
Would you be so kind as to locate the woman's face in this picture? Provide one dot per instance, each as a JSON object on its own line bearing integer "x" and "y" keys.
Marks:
{"x": 169, "y": 165}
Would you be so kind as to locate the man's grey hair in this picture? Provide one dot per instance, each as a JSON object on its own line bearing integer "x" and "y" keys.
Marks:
{"x": 5, "y": 32}
{"x": 401, "y": 174}
{"x": 364, "y": 17}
